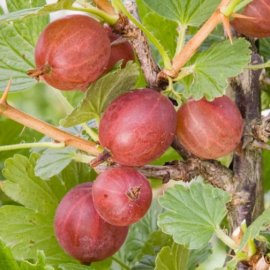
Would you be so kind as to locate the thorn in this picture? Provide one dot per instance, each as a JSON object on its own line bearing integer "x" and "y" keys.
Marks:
{"x": 241, "y": 16}
{"x": 227, "y": 27}
{"x": 5, "y": 94}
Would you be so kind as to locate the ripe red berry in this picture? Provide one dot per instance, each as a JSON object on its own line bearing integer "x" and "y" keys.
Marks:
{"x": 209, "y": 129}
{"x": 121, "y": 195}
{"x": 258, "y": 25}
{"x": 120, "y": 50}
{"x": 138, "y": 127}
{"x": 72, "y": 52}
{"x": 81, "y": 232}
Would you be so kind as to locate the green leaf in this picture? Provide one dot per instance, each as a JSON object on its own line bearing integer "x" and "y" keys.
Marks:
{"x": 101, "y": 93}
{"x": 197, "y": 256}
{"x": 184, "y": 12}
{"x": 146, "y": 263}
{"x": 261, "y": 223}
{"x": 17, "y": 42}
{"x": 172, "y": 258}
{"x": 213, "y": 67}
{"x": 7, "y": 260}
{"x": 53, "y": 161}
{"x": 166, "y": 32}
{"x": 102, "y": 265}
{"x": 193, "y": 212}
{"x": 39, "y": 265}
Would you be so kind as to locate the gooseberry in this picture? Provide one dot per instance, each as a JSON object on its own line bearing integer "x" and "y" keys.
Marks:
{"x": 72, "y": 52}
{"x": 121, "y": 195}
{"x": 209, "y": 130}
{"x": 138, "y": 127}
{"x": 81, "y": 232}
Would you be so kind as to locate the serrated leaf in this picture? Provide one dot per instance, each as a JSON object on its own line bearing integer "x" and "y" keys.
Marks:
{"x": 213, "y": 67}
{"x": 261, "y": 223}
{"x": 172, "y": 258}
{"x": 193, "y": 212}
{"x": 53, "y": 161}
{"x": 7, "y": 260}
{"x": 17, "y": 43}
{"x": 101, "y": 93}
{"x": 184, "y": 12}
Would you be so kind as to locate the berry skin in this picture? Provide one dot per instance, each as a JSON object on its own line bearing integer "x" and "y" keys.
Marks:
{"x": 138, "y": 127}
{"x": 121, "y": 195}
{"x": 120, "y": 50}
{"x": 209, "y": 130}
{"x": 72, "y": 52}
{"x": 81, "y": 232}
{"x": 258, "y": 25}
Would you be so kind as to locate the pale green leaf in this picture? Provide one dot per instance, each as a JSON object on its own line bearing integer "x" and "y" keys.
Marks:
{"x": 40, "y": 264}
{"x": 101, "y": 93}
{"x": 261, "y": 223}
{"x": 213, "y": 68}
{"x": 172, "y": 258}
{"x": 53, "y": 161}
{"x": 193, "y": 212}
{"x": 17, "y": 43}
{"x": 7, "y": 260}
{"x": 184, "y": 12}
{"x": 25, "y": 231}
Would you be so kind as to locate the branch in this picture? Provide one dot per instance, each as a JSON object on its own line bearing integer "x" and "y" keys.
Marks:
{"x": 139, "y": 44}
{"x": 212, "y": 171}
{"x": 195, "y": 42}
{"x": 45, "y": 128}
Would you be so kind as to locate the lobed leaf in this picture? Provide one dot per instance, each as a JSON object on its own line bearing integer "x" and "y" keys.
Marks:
{"x": 213, "y": 67}
{"x": 193, "y": 212}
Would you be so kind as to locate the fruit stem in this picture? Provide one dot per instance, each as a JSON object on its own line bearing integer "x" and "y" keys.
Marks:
{"x": 149, "y": 35}
{"x": 227, "y": 11}
{"x": 122, "y": 264}
{"x": 32, "y": 145}
{"x": 259, "y": 66}
{"x": 79, "y": 157}
{"x": 193, "y": 44}
{"x": 102, "y": 157}
{"x": 103, "y": 16}
{"x": 45, "y": 128}
{"x": 242, "y": 4}
{"x": 228, "y": 241}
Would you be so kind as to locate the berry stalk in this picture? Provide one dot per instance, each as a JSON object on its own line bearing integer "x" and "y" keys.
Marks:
{"x": 191, "y": 47}
{"x": 45, "y": 128}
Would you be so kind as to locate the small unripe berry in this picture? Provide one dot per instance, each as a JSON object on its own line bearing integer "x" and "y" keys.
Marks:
{"x": 209, "y": 130}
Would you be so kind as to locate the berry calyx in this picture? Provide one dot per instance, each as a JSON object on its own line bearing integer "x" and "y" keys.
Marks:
{"x": 122, "y": 195}
{"x": 257, "y": 21}
{"x": 209, "y": 130}
{"x": 138, "y": 127}
{"x": 72, "y": 52}
{"x": 81, "y": 232}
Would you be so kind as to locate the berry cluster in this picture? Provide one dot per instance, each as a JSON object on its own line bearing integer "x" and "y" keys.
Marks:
{"x": 91, "y": 221}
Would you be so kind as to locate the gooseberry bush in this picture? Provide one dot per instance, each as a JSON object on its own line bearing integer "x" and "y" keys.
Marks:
{"x": 134, "y": 134}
